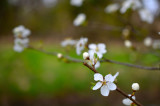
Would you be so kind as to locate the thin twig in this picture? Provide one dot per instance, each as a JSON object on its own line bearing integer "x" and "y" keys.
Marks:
{"x": 55, "y": 54}
{"x": 131, "y": 65}
{"x": 71, "y": 59}
{"x": 118, "y": 89}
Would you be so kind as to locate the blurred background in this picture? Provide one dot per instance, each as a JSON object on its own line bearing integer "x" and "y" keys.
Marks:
{"x": 32, "y": 78}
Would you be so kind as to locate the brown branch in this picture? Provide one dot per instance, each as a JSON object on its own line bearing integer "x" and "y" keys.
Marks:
{"x": 93, "y": 69}
{"x": 118, "y": 89}
{"x": 131, "y": 65}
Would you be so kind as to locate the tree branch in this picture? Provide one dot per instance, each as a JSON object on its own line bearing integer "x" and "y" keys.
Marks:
{"x": 104, "y": 60}
{"x": 131, "y": 65}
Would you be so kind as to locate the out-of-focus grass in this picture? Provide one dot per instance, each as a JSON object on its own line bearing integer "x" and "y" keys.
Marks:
{"x": 32, "y": 73}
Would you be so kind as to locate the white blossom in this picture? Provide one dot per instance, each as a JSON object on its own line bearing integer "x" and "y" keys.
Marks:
{"x": 81, "y": 45}
{"x": 77, "y": 3}
{"x": 20, "y": 44}
{"x": 148, "y": 41}
{"x": 133, "y": 4}
{"x": 135, "y": 86}
{"x": 127, "y": 101}
{"x": 68, "y": 41}
{"x": 99, "y": 49}
{"x": 156, "y": 44}
{"x": 112, "y": 8}
{"x": 128, "y": 43}
{"x": 146, "y": 15}
{"x": 106, "y": 84}
{"x": 79, "y": 19}
{"x": 21, "y": 32}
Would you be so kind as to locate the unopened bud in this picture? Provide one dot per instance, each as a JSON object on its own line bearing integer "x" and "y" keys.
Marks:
{"x": 135, "y": 86}
{"x": 128, "y": 43}
{"x": 59, "y": 55}
{"x": 86, "y": 56}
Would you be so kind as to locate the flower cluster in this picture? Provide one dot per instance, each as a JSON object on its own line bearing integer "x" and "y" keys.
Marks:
{"x": 144, "y": 13}
{"x": 105, "y": 83}
{"x": 21, "y": 41}
{"x": 127, "y": 101}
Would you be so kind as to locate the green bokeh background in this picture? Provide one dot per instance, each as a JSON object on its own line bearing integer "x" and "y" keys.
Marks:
{"x": 32, "y": 78}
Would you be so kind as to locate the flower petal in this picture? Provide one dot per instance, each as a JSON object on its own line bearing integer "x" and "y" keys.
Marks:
{"x": 100, "y": 55}
{"x": 116, "y": 75}
{"x": 109, "y": 78}
{"x": 101, "y": 46}
{"x": 98, "y": 77}
{"x": 97, "y": 86}
{"x": 104, "y": 90}
{"x": 92, "y": 46}
{"x": 127, "y": 102}
{"x": 97, "y": 64}
{"x": 111, "y": 86}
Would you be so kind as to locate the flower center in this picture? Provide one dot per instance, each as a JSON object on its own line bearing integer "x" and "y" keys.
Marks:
{"x": 97, "y": 49}
{"x": 104, "y": 82}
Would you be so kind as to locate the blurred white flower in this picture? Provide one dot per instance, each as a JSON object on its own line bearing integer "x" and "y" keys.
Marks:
{"x": 156, "y": 44}
{"x": 128, "y": 43}
{"x": 135, "y": 86}
{"x": 127, "y": 101}
{"x": 79, "y": 19}
{"x": 133, "y": 4}
{"x": 68, "y": 41}
{"x": 152, "y": 5}
{"x": 77, "y": 3}
{"x": 112, "y": 8}
{"x": 148, "y": 41}
{"x": 99, "y": 49}
{"x": 20, "y": 44}
{"x": 146, "y": 15}
{"x": 21, "y": 32}
{"x": 59, "y": 55}
{"x": 49, "y": 3}
{"x": 81, "y": 45}
{"x": 106, "y": 84}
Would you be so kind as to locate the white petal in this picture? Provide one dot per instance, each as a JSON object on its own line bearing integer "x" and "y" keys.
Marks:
{"x": 97, "y": 64}
{"x": 98, "y": 77}
{"x": 111, "y": 86}
{"x": 109, "y": 77}
{"x": 116, "y": 75}
{"x": 127, "y": 102}
{"x": 104, "y": 90}
{"x": 97, "y": 86}
{"x": 101, "y": 46}
{"x": 100, "y": 55}
{"x": 18, "y": 48}
{"x": 92, "y": 46}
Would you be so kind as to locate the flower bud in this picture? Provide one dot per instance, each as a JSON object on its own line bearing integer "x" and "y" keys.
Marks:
{"x": 135, "y": 86}
{"x": 128, "y": 43}
{"x": 86, "y": 56}
{"x": 59, "y": 55}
